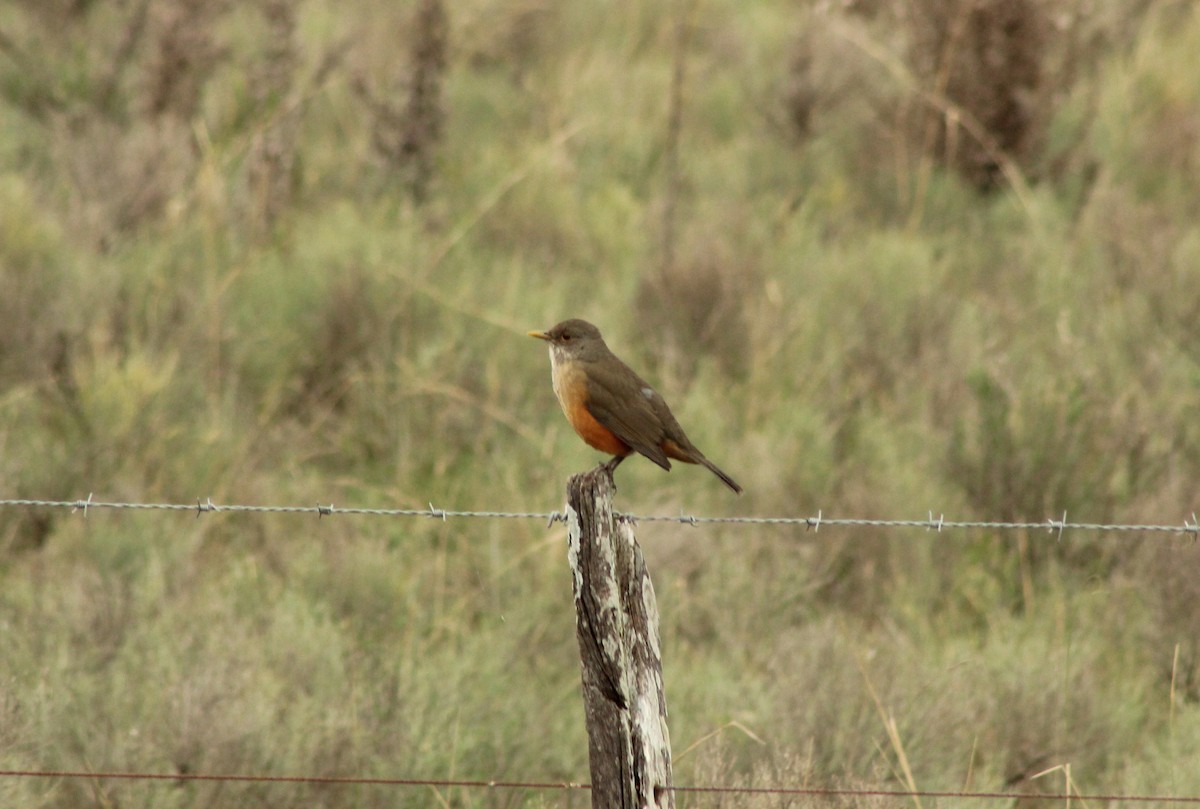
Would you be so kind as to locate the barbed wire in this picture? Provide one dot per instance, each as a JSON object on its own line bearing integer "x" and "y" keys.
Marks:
{"x": 814, "y": 523}
{"x": 825, "y": 792}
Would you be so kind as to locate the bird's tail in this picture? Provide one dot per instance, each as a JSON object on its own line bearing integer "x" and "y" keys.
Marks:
{"x": 728, "y": 481}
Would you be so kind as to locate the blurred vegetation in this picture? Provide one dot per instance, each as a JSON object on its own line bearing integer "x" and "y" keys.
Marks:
{"x": 881, "y": 257}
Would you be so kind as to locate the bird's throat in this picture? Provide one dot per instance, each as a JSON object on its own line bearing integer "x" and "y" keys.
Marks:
{"x": 566, "y": 376}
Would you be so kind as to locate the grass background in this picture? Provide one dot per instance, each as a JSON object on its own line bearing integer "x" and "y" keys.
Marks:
{"x": 880, "y": 257}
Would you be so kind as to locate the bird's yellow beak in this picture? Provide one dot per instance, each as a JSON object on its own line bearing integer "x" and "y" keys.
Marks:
{"x": 541, "y": 335}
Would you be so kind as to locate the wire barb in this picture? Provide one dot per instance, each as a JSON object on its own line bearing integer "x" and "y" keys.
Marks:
{"x": 1059, "y": 525}
{"x": 83, "y": 504}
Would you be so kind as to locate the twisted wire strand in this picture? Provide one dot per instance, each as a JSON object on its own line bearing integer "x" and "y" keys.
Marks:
{"x": 815, "y": 523}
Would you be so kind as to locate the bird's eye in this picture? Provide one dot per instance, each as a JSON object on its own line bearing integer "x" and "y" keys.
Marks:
{"x": 566, "y": 338}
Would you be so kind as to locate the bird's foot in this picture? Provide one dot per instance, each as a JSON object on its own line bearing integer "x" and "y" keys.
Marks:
{"x": 610, "y": 466}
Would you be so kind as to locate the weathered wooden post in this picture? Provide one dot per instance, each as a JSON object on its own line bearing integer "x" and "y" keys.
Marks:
{"x": 629, "y": 749}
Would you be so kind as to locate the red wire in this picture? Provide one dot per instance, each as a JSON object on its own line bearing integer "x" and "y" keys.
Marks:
{"x": 811, "y": 791}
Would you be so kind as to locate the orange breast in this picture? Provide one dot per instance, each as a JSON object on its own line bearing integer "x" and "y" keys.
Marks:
{"x": 570, "y": 386}
{"x": 592, "y": 431}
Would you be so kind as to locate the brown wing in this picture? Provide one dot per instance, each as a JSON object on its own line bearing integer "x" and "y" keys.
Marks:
{"x": 617, "y": 398}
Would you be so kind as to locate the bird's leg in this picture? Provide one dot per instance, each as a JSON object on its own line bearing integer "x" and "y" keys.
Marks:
{"x": 611, "y": 465}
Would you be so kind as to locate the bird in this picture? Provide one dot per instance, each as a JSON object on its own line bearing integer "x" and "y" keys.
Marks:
{"x": 612, "y": 408}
